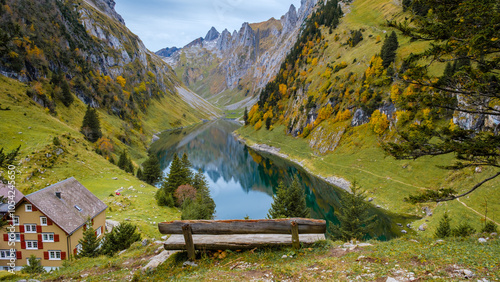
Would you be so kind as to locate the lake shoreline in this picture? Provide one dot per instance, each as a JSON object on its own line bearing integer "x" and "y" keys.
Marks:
{"x": 333, "y": 180}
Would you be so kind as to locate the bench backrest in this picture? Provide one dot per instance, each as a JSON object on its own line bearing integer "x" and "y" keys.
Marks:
{"x": 260, "y": 226}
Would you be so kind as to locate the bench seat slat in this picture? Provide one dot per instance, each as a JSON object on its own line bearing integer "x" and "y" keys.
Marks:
{"x": 261, "y": 226}
{"x": 239, "y": 241}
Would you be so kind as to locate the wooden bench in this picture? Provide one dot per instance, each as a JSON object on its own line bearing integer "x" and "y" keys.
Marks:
{"x": 240, "y": 234}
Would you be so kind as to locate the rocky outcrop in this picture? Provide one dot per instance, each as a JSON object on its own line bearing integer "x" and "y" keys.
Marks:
{"x": 107, "y": 7}
{"x": 212, "y": 34}
{"x": 289, "y": 20}
{"x": 359, "y": 118}
{"x": 167, "y": 52}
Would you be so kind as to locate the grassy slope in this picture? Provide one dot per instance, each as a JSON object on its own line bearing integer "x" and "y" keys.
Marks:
{"x": 28, "y": 125}
{"x": 401, "y": 258}
{"x": 359, "y": 156}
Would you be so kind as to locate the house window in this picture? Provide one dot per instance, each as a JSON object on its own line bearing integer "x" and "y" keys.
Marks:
{"x": 16, "y": 220}
{"x": 28, "y": 207}
{"x": 48, "y": 237}
{"x": 54, "y": 255}
{"x": 5, "y": 254}
{"x": 98, "y": 231}
{"x": 30, "y": 228}
{"x": 32, "y": 245}
{"x": 43, "y": 221}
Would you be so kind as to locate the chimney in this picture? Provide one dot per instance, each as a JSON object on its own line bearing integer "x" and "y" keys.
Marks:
{"x": 58, "y": 194}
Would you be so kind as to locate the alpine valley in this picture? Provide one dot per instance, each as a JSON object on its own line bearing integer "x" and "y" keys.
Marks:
{"x": 398, "y": 98}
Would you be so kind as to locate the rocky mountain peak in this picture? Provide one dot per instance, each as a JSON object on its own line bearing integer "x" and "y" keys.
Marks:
{"x": 246, "y": 35}
{"x": 212, "y": 34}
{"x": 107, "y": 7}
{"x": 167, "y": 52}
{"x": 289, "y": 20}
{"x": 224, "y": 42}
{"x": 196, "y": 42}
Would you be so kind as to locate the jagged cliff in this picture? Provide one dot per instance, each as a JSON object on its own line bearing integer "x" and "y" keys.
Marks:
{"x": 231, "y": 68}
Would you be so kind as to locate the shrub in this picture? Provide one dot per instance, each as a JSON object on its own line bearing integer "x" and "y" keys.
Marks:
{"x": 185, "y": 192}
{"x": 34, "y": 266}
{"x": 463, "y": 230}
{"x": 489, "y": 227}
{"x": 163, "y": 199}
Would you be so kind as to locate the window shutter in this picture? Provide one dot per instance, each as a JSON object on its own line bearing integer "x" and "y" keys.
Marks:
{"x": 38, "y": 229}
{"x": 63, "y": 255}
{"x": 92, "y": 220}
{"x": 6, "y": 237}
{"x": 75, "y": 251}
{"x": 49, "y": 222}
{"x": 95, "y": 233}
{"x": 56, "y": 237}
{"x": 85, "y": 227}
{"x": 45, "y": 255}
{"x": 40, "y": 242}
{"x": 33, "y": 208}
{"x": 23, "y": 243}
{"x": 19, "y": 255}
{"x": 21, "y": 228}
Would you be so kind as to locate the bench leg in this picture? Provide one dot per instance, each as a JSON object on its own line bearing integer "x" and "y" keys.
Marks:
{"x": 188, "y": 238}
{"x": 295, "y": 235}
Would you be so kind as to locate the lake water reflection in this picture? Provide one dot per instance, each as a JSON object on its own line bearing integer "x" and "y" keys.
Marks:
{"x": 242, "y": 180}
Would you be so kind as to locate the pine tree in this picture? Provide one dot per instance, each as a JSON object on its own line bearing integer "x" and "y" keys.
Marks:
{"x": 289, "y": 201}
{"x": 67, "y": 97}
{"x": 175, "y": 178}
{"x": 91, "y": 126}
{"x": 203, "y": 207}
{"x": 122, "y": 236}
{"x": 89, "y": 242}
{"x": 353, "y": 215}
{"x": 388, "y": 52}
{"x": 460, "y": 31}
{"x": 139, "y": 174}
{"x": 444, "y": 229}
{"x": 152, "y": 171}
{"x": 186, "y": 168}
{"x": 34, "y": 266}
{"x": 123, "y": 160}
{"x": 245, "y": 116}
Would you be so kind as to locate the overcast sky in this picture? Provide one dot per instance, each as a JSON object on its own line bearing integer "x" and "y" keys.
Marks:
{"x": 168, "y": 23}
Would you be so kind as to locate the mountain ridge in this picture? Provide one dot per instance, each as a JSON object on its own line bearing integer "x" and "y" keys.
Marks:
{"x": 229, "y": 69}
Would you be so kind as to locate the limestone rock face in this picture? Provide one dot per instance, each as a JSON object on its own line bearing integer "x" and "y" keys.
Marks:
{"x": 239, "y": 63}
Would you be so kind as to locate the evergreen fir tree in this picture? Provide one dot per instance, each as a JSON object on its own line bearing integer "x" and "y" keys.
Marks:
{"x": 123, "y": 161}
{"x": 388, "y": 52}
{"x": 139, "y": 174}
{"x": 459, "y": 31}
{"x": 203, "y": 207}
{"x": 67, "y": 97}
{"x": 245, "y": 116}
{"x": 91, "y": 126}
{"x": 152, "y": 171}
{"x": 89, "y": 242}
{"x": 34, "y": 266}
{"x": 444, "y": 228}
{"x": 289, "y": 201}
{"x": 175, "y": 178}
{"x": 130, "y": 167}
{"x": 186, "y": 168}
{"x": 122, "y": 236}
{"x": 353, "y": 215}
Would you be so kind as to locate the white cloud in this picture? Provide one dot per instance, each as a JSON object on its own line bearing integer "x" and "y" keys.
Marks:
{"x": 167, "y": 23}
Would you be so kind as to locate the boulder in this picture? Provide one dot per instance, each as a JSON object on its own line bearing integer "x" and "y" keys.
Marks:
{"x": 158, "y": 259}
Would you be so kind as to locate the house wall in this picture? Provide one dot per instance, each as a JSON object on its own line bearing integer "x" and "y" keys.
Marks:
{"x": 66, "y": 243}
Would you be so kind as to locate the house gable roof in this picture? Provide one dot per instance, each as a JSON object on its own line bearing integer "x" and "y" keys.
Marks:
{"x": 72, "y": 210}
{"x": 4, "y": 191}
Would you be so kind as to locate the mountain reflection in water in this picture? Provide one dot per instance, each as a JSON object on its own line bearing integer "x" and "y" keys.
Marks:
{"x": 242, "y": 181}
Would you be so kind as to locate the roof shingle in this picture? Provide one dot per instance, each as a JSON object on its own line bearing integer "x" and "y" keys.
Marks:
{"x": 72, "y": 210}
